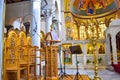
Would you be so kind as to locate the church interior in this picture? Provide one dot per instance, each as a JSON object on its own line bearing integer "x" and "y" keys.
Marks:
{"x": 60, "y": 40}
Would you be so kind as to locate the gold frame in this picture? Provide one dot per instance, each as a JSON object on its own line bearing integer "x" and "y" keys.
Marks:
{"x": 68, "y": 61}
{"x": 89, "y": 48}
{"x": 101, "y": 48}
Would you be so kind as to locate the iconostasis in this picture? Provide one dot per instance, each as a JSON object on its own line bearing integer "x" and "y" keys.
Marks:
{"x": 87, "y": 54}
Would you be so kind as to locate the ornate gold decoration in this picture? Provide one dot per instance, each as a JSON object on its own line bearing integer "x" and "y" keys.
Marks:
{"x": 93, "y": 37}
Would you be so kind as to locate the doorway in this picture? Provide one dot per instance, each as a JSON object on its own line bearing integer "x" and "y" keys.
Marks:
{"x": 118, "y": 46}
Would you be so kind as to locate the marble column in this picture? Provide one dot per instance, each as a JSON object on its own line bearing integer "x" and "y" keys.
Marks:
{"x": 48, "y": 16}
{"x": 114, "y": 50}
{"x": 35, "y": 29}
{"x": 2, "y": 16}
{"x": 108, "y": 53}
{"x": 63, "y": 35}
{"x": 84, "y": 53}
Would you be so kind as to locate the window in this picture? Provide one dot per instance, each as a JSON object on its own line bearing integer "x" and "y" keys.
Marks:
{"x": 101, "y": 30}
{"x": 82, "y": 32}
{"x": 75, "y": 32}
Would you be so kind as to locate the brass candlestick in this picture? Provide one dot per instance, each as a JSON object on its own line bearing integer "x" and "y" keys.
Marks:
{"x": 93, "y": 36}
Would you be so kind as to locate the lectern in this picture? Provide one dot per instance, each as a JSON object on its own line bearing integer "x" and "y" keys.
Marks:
{"x": 76, "y": 50}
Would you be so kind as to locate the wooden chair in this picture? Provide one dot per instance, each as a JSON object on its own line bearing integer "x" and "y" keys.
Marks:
{"x": 12, "y": 58}
{"x": 27, "y": 54}
{"x": 31, "y": 59}
{"x": 23, "y": 52}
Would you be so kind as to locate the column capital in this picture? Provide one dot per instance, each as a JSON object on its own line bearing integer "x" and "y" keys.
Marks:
{"x": 47, "y": 12}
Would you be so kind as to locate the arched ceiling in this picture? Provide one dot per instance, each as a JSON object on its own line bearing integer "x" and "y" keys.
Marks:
{"x": 93, "y": 7}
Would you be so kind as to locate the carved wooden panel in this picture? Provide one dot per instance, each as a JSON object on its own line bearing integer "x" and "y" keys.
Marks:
{"x": 11, "y": 55}
{"x": 51, "y": 62}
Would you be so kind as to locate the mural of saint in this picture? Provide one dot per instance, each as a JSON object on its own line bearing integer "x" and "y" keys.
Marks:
{"x": 102, "y": 3}
{"x": 101, "y": 49}
{"x": 78, "y": 4}
{"x": 90, "y": 7}
{"x": 69, "y": 33}
{"x": 67, "y": 54}
{"x": 89, "y": 51}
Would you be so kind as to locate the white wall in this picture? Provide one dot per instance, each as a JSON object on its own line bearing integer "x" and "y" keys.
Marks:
{"x": 20, "y": 9}
{"x": 17, "y": 10}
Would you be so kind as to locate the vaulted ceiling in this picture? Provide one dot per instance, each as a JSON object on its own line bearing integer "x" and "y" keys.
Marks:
{"x": 14, "y": 1}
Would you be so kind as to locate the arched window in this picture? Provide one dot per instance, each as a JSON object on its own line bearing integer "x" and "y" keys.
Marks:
{"x": 91, "y": 26}
{"x": 17, "y": 23}
{"x": 75, "y": 31}
{"x": 102, "y": 29}
{"x": 82, "y": 32}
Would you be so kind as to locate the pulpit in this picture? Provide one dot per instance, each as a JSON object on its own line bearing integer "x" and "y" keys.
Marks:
{"x": 51, "y": 67}
{"x": 51, "y": 51}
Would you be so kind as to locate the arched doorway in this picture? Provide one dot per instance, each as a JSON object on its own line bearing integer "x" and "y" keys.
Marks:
{"x": 111, "y": 53}
{"x": 118, "y": 46}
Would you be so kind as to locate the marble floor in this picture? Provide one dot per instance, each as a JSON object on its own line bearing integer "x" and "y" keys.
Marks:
{"x": 104, "y": 74}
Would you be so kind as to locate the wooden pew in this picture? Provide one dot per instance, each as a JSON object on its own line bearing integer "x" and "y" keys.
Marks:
{"x": 12, "y": 58}
{"x": 27, "y": 55}
{"x": 31, "y": 52}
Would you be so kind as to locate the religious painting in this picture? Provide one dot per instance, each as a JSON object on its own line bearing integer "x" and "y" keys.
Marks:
{"x": 66, "y": 53}
{"x": 78, "y": 4}
{"x": 91, "y": 7}
{"x": 101, "y": 48}
{"x": 69, "y": 26}
{"x": 69, "y": 33}
{"x": 89, "y": 48}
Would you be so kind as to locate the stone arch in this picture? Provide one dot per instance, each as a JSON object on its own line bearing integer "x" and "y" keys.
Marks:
{"x": 117, "y": 30}
{"x": 13, "y": 19}
{"x": 118, "y": 45}
{"x": 110, "y": 42}
{"x": 17, "y": 23}
{"x": 109, "y": 37}
{"x": 118, "y": 41}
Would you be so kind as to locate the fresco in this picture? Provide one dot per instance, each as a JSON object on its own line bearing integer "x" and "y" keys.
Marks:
{"x": 88, "y": 7}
